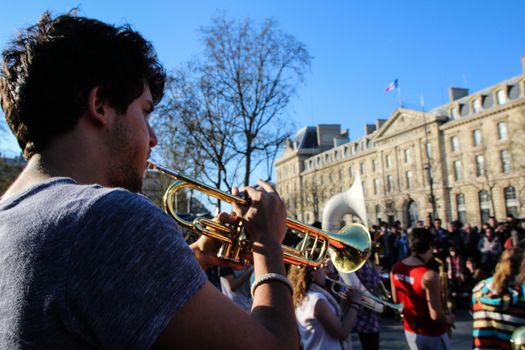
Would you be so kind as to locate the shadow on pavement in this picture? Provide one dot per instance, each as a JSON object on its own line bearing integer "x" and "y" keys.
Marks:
{"x": 393, "y": 337}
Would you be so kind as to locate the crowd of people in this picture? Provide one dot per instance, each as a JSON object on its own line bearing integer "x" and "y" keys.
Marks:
{"x": 469, "y": 253}
{"x": 88, "y": 263}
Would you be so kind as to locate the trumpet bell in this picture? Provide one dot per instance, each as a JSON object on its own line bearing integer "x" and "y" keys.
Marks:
{"x": 350, "y": 248}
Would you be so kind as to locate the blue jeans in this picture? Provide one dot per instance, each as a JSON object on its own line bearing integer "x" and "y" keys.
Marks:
{"x": 425, "y": 342}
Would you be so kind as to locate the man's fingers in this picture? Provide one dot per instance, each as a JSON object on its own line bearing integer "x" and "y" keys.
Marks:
{"x": 226, "y": 218}
{"x": 266, "y": 186}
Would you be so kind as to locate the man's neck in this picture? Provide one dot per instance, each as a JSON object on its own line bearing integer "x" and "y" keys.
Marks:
{"x": 417, "y": 259}
{"x": 60, "y": 160}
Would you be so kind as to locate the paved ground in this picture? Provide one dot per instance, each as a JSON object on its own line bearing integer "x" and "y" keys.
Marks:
{"x": 393, "y": 337}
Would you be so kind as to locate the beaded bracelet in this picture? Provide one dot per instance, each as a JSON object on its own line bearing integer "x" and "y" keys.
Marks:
{"x": 270, "y": 277}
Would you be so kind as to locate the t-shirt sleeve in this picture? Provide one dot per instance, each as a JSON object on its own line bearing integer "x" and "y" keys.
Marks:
{"x": 130, "y": 272}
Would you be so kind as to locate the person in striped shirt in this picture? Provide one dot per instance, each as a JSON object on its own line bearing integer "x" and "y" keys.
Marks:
{"x": 499, "y": 302}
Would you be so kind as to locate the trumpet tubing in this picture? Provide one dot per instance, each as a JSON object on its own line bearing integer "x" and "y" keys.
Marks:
{"x": 446, "y": 305}
{"x": 349, "y": 248}
{"x": 368, "y": 300}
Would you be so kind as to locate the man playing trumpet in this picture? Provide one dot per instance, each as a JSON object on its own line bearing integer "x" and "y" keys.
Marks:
{"x": 86, "y": 263}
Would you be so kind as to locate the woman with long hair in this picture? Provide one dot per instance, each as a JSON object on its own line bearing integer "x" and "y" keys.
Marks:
{"x": 499, "y": 302}
{"x": 323, "y": 322}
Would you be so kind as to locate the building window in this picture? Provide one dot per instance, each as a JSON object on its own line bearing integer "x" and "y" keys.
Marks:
{"x": 476, "y": 137}
{"x": 454, "y": 113}
{"x": 476, "y": 105}
{"x": 454, "y": 143}
{"x": 428, "y": 149}
{"x": 350, "y": 172}
{"x": 376, "y": 186}
{"x": 389, "y": 183}
{"x": 379, "y": 213}
{"x": 502, "y": 131}
{"x": 388, "y": 161}
{"x": 506, "y": 165}
{"x": 374, "y": 165}
{"x": 501, "y": 97}
{"x": 511, "y": 201}
{"x": 480, "y": 166}
{"x": 408, "y": 177}
{"x": 362, "y": 168}
{"x": 364, "y": 187}
{"x": 457, "y": 170}
{"x": 461, "y": 208}
{"x": 408, "y": 155}
{"x": 484, "y": 206}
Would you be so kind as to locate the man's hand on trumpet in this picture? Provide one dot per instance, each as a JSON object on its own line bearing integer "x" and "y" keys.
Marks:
{"x": 264, "y": 219}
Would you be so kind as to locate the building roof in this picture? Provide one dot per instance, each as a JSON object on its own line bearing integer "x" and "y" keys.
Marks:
{"x": 306, "y": 138}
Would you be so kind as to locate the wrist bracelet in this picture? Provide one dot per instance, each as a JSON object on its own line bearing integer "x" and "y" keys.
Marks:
{"x": 270, "y": 277}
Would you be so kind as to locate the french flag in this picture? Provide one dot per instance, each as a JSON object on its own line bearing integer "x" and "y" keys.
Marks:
{"x": 391, "y": 86}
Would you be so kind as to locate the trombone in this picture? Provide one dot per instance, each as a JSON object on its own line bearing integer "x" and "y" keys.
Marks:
{"x": 367, "y": 300}
{"x": 349, "y": 248}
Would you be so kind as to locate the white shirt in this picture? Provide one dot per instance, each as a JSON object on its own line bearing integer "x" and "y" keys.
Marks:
{"x": 313, "y": 334}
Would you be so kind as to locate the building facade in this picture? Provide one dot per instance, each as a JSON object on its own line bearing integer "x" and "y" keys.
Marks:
{"x": 461, "y": 161}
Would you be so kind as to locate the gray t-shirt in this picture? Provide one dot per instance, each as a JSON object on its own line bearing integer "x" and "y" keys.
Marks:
{"x": 85, "y": 267}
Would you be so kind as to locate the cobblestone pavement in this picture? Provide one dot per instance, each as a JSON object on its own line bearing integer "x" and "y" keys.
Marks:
{"x": 393, "y": 337}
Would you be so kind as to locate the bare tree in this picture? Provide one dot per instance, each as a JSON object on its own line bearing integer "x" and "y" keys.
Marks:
{"x": 196, "y": 128}
{"x": 256, "y": 70}
{"x": 9, "y": 171}
{"x": 314, "y": 195}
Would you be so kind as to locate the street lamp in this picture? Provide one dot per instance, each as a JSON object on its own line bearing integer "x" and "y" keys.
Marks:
{"x": 428, "y": 168}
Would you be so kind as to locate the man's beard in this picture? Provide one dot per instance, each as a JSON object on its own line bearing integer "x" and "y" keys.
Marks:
{"x": 123, "y": 171}
{"x": 123, "y": 175}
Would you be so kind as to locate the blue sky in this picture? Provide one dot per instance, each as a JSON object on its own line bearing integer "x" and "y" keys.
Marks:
{"x": 358, "y": 47}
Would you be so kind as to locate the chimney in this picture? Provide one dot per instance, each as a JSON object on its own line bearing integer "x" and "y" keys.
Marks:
{"x": 326, "y": 134}
{"x": 369, "y": 128}
{"x": 380, "y": 123}
{"x": 342, "y": 138}
{"x": 456, "y": 93}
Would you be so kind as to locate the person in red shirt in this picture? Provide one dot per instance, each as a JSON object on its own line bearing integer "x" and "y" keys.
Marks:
{"x": 418, "y": 287}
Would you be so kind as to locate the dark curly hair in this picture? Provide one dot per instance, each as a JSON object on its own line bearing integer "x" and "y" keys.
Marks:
{"x": 50, "y": 68}
{"x": 420, "y": 240}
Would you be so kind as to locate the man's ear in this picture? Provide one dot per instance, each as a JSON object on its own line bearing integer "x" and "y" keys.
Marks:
{"x": 98, "y": 107}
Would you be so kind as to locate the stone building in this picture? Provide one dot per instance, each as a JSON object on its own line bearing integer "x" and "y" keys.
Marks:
{"x": 461, "y": 161}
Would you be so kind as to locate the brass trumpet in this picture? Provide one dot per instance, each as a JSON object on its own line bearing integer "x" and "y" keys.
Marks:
{"x": 349, "y": 248}
{"x": 367, "y": 300}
